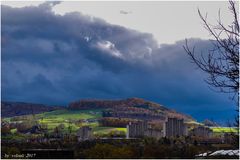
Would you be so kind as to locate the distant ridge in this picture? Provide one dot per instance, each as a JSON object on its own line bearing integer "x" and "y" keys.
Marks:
{"x": 210, "y": 123}
{"x": 11, "y": 109}
{"x": 125, "y": 108}
{"x": 127, "y": 105}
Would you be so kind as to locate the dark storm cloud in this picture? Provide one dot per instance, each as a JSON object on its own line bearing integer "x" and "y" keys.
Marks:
{"x": 49, "y": 58}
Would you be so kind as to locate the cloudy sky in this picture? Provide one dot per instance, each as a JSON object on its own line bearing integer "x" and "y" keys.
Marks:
{"x": 54, "y": 53}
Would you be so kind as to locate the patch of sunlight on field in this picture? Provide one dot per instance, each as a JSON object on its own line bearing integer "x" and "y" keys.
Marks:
{"x": 224, "y": 129}
{"x": 122, "y": 129}
{"x": 66, "y": 114}
{"x": 106, "y": 130}
{"x": 69, "y": 118}
{"x": 54, "y": 118}
{"x": 13, "y": 130}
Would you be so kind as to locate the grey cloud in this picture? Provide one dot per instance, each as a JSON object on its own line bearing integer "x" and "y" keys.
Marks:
{"x": 49, "y": 58}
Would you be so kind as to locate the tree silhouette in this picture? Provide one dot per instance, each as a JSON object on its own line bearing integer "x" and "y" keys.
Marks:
{"x": 222, "y": 62}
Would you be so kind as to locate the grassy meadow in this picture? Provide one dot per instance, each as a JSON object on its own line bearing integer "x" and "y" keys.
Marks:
{"x": 71, "y": 119}
{"x": 224, "y": 129}
{"x": 67, "y": 118}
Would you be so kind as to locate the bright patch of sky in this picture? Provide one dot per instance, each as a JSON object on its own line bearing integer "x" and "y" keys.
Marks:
{"x": 167, "y": 21}
{"x": 109, "y": 48}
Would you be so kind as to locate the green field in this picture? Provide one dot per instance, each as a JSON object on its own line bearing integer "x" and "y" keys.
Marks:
{"x": 66, "y": 117}
{"x": 216, "y": 130}
{"x": 72, "y": 114}
{"x": 224, "y": 129}
{"x": 74, "y": 119}
{"x": 69, "y": 119}
{"x": 106, "y": 130}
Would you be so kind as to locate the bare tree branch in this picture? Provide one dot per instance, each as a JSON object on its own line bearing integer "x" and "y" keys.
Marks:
{"x": 222, "y": 62}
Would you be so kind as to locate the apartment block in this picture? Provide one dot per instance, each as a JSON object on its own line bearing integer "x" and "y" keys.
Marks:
{"x": 84, "y": 133}
{"x": 174, "y": 127}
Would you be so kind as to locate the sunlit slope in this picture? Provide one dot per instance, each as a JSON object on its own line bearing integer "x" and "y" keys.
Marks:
{"x": 72, "y": 120}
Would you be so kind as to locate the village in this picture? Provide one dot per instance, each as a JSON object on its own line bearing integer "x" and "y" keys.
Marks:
{"x": 170, "y": 128}
{"x": 172, "y": 131}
